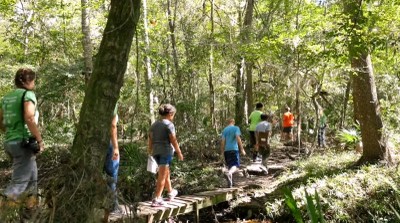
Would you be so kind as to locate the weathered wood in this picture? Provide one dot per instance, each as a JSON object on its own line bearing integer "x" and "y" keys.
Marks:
{"x": 196, "y": 213}
{"x": 184, "y": 204}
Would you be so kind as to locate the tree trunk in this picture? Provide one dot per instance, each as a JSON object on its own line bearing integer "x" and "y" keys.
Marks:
{"x": 366, "y": 104}
{"x": 244, "y": 80}
{"x": 239, "y": 96}
{"x": 86, "y": 41}
{"x": 246, "y": 35}
{"x": 367, "y": 110}
{"x": 211, "y": 67}
{"x": 171, "y": 25}
{"x": 149, "y": 72}
{"x": 83, "y": 185}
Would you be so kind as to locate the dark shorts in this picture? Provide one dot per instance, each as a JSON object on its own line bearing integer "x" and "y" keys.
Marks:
{"x": 163, "y": 160}
{"x": 287, "y": 129}
{"x": 265, "y": 150}
{"x": 252, "y": 138}
{"x": 232, "y": 158}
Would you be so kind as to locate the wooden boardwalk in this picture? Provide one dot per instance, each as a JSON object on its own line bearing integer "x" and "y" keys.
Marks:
{"x": 180, "y": 205}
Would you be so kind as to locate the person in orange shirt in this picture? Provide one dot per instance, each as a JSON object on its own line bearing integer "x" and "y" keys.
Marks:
{"x": 287, "y": 123}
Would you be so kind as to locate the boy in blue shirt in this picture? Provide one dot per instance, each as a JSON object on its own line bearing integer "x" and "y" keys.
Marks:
{"x": 230, "y": 145}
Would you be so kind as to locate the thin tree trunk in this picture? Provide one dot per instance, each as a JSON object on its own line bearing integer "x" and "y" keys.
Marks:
{"x": 211, "y": 67}
{"x": 239, "y": 96}
{"x": 83, "y": 187}
{"x": 26, "y": 26}
{"x": 171, "y": 25}
{"x": 244, "y": 78}
{"x": 86, "y": 41}
{"x": 149, "y": 72}
{"x": 247, "y": 28}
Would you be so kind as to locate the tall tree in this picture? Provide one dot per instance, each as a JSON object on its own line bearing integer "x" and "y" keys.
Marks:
{"x": 366, "y": 104}
{"x": 172, "y": 35}
{"x": 247, "y": 33}
{"x": 244, "y": 75}
{"x": 211, "y": 67}
{"x": 81, "y": 188}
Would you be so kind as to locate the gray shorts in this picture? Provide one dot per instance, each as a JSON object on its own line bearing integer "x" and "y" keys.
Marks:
{"x": 24, "y": 175}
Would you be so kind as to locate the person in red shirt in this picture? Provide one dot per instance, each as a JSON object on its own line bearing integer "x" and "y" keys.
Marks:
{"x": 287, "y": 123}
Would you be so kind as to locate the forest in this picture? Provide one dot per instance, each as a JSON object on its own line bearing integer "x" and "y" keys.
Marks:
{"x": 213, "y": 60}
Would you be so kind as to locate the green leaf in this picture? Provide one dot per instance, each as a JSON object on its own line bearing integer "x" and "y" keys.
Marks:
{"x": 319, "y": 207}
{"x": 291, "y": 203}
{"x": 312, "y": 213}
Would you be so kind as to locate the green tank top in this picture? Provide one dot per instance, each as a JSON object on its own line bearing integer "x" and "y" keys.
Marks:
{"x": 11, "y": 105}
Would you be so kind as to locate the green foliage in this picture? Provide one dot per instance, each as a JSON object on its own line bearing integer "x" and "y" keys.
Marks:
{"x": 349, "y": 137}
{"x": 345, "y": 193}
{"x": 291, "y": 203}
{"x": 313, "y": 209}
{"x": 396, "y": 212}
{"x": 134, "y": 182}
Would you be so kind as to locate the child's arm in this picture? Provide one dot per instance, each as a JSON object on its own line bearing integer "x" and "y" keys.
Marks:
{"x": 150, "y": 145}
{"x": 114, "y": 139}
{"x": 239, "y": 140}
{"x": 174, "y": 142}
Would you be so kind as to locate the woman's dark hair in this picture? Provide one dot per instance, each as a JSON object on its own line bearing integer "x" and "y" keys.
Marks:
{"x": 259, "y": 105}
{"x": 264, "y": 116}
{"x": 24, "y": 75}
{"x": 166, "y": 109}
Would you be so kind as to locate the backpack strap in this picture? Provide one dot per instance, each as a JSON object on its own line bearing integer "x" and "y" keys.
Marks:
{"x": 22, "y": 105}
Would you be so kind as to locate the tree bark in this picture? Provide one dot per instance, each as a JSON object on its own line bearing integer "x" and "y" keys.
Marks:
{"x": 171, "y": 25}
{"x": 247, "y": 27}
{"x": 149, "y": 72}
{"x": 86, "y": 41}
{"x": 83, "y": 185}
{"x": 211, "y": 67}
{"x": 366, "y": 104}
{"x": 367, "y": 110}
{"x": 244, "y": 77}
{"x": 239, "y": 95}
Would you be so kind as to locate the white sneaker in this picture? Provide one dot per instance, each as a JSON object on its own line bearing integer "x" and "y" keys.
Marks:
{"x": 157, "y": 202}
{"x": 172, "y": 195}
{"x": 228, "y": 177}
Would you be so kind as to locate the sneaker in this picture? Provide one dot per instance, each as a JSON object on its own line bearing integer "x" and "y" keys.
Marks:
{"x": 157, "y": 202}
{"x": 117, "y": 211}
{"x": 265, "y": 162}
{"x": 246, "y": 173}
{"x": 172, "y": 195}
{"x": 228, "y": 177}
{"x": 264, "y": 169}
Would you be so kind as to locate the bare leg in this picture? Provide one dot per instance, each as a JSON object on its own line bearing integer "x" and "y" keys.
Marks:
{"x": 232, "y": 170}
{"x": 168, "y": 185}
{"x": 161, "y": 179}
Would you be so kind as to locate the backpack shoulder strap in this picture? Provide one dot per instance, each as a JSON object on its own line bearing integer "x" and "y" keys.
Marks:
{"x": 22, "y": 105}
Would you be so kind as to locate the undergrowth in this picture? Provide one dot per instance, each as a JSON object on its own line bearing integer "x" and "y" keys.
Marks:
{"x": 347, "y": 193}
